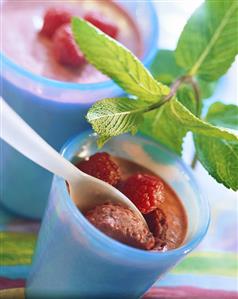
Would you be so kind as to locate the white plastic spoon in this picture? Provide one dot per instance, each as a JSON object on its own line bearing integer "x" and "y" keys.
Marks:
{"x": 86, "y": 191}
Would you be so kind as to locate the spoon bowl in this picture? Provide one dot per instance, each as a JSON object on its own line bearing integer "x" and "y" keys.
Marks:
{"x": 90, "y": 191}
{"x": 85, "y": 191}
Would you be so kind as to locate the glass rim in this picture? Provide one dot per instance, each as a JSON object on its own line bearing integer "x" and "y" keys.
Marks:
{"x": 86, "y": 86}
{"x": 117, "y": 247}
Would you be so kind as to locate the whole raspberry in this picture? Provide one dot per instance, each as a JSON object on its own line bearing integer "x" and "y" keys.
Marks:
{"x": 102, "y": 23}
{"x": 145, "y": 191}
{"x": 65, "y": 48}
{"x": 101, "y": 166}
{"x": 53, "y": 19}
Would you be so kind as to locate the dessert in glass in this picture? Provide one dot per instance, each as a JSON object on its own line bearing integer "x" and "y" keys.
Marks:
{"x": 51, "y": 96}
{"x": 82, "y": 249}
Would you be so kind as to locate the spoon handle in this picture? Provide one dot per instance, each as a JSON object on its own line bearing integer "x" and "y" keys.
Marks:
{"x": 17, "y": 133}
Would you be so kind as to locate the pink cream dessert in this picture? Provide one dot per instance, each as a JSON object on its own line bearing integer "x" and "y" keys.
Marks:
{"x": 25, "y": 44}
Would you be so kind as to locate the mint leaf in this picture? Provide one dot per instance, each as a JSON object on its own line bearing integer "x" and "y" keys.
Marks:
{"x": 206, "y": 88}
{"x": 223, "y": 115}
{"x": 160, "y": 126}
{"x": 115, "y": 116}
{"x": 219, "y": 156}
{"x": 209, "y": 41}
{"x": 165, "y": 70}
{"x": 170, "y": 123}
{"x": 186, "y": 96}
{"x": 189, "y": 121}
{"x": 102, "y": 139}
{"x": 117, "y": 62}
{"x": 164, "y": 67}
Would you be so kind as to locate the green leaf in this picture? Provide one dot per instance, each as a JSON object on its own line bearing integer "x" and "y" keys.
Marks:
{"x": 115, "y": 116}
{"x": 102, "y": 139}
{"x": 159, "y": 125}
{"x": 189, "y": 121}
{"x": 170, "y": 123}
{"x": 209, "y": 41}
{"x": 112, "y": 117}
{"x": 117, "y": 62}
{"x": 165, "y": 70}
{"x": 223, "y": 115}
{"x": 185, "y": 95}
{"x": 219, "y": 156}
{"x": 164, "y": 67}
{"x": 206, "y": 88}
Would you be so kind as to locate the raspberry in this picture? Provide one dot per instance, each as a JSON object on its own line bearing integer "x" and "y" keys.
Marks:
{"x": 65, "y": 48}
{"x": 145, "y": 191}
{"x": 53, "y": 19}
{"x": 102, "y": 167}
{"x": 102, "y": 23}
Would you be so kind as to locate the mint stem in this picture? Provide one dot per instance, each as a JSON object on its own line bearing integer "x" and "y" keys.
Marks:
{"x": 196, "y": 90}
{"x": 174, "y": 87}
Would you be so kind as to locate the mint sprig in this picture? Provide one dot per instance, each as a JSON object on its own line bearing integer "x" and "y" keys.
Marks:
{"x": 117, "y": 62}
{"x": 168, "y": 105}
{"x": 166, "y": 70}
{"x": 209, "y": 41}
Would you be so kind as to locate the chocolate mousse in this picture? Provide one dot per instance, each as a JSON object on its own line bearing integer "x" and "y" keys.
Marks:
{"x": 158, "y": 225}
{"x": 121, "y": 224}
{"x": 162, "y": 209}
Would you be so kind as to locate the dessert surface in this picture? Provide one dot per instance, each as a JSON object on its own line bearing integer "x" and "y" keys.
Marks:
{"x": 33, "y": 51}
{"x": 162, "y": 209}
{"x": 121, "y": 224}
{"x": 171, "y": 206}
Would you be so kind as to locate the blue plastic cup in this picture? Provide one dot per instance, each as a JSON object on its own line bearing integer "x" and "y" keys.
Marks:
{"x": 75, "y": 260}
{"x": 56, "y": 110}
